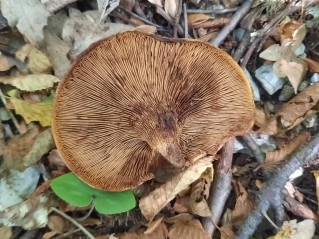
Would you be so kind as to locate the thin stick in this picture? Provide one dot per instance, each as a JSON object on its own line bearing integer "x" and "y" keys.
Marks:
{"x": 185, "y": 20}
{"x": 221, "y": 188}
{"x": 177, "y": 17}
{"x": 233, "y": 22}
{"x": 213, "y": 11}
{"x": 86, "y": 232}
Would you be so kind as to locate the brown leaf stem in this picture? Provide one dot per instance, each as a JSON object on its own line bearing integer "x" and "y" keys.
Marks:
{"x": 270, "y": 192}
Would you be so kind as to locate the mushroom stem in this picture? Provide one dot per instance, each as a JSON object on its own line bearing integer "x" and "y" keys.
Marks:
{"x": 171, "y": 151}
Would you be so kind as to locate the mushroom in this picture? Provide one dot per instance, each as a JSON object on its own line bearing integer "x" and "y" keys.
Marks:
{"x": 134, "y": 98}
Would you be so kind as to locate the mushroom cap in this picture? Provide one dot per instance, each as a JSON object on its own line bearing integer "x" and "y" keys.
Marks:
{"x": 134, "y": 98}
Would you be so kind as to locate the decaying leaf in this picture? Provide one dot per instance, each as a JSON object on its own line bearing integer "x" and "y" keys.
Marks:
{"x": 188, "y": 230}
{"x": 227, "y": 232}
{"x": 19, "y": 214}
{"x": 32, "y": 82}
{"x": 198, "y": 201}
{"x": 17, "y": 185}
{"x": 197, "y": 18}
{"x": 154, "y": 225}
{"x": 33, "y": 111}
{"x": 80, "y": 30}
{"x": 160, "y": 233}
{"x": 276, "y": 157}
{"x": 293, "y": 112}
{"x": 312, "y": 65}
{"x": 294, "y": 70}
{"x": 272, "y": 53}
{"x": 171, "y": 7}
{"x": 29, "y": 16}
{"x": 182, "y": 217}
{"x": 293, "y": 230}
{"x": 57, "y": 50}
{"x": 243, "y": 204}
{"x": 18, "y": 147}
{"x": 151, "y": 204}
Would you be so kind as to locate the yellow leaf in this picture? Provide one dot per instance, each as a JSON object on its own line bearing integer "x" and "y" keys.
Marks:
{"x": 32, "y": 82}
{"x": 39, "y": 62}
{"x": 23, "y": 52}
{"x": 41, "y": 112}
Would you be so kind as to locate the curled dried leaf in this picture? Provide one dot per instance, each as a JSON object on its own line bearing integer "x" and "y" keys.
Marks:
{"x": 156, "y": 200}
{"x": 293, "y": 112}
{"x": 188, "y": 230}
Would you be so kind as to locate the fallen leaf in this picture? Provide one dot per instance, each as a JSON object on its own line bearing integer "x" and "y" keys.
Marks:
{"x": 41, "y": 112}
{"x": 298, "y": 36}
{"x": 146, "y": 29}
{"x": 260, "y": 117}
{"x": 5, "y": 232}
{"x": 153, "y": 225}
{"x": 294, "y": 71}
{"x": 29, "y": 16}
{"x": 160, "y": 233}
{"x": 287, "y": 29}
{"x": 272, "y": 53}
{"x": 197, "y": 18}
{"x": 156, "y": 2}
{"x": 243, "y": 204}
{"x": 293, "y": 230}
{"x": 80, "y": 30}
{"x": 32, "y": 82}
{"x": 19, "y": 214}
{"x": 151, "y": 204}
{"x": 293, "y": 112}
{"x": 312, "y": 65}
{"x": 182, "y": 217}
{"x": 19, "y": 146}
{"x": 226, "y": 232}
{"x": 57, "y": 50}
{"x": 188, "y": 230}
{"x": 16, "y": 186}
{"x": 275, "y": 157}
{"x": 4, "y": 63}
{"x": 197, "y": 200}
{"x": 38, "y": 62}
{"x": 171, "y": 7}
{"x": 57, "y": 223}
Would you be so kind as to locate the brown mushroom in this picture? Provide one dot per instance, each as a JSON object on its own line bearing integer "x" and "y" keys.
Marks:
{"x": 133, "y": 98}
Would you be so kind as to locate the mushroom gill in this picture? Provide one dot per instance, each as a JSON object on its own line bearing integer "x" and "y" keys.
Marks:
{"x": 133, "y": 98}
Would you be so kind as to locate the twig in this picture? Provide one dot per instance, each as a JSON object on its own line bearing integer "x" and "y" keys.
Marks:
{"x": 250, "y": 142}
{"x": 177, "y": 17}
{"x": 164, "y": 14}
{"x": 185, "y": 20}
{"x": 160, "y": 28}
{"x": 221, "y": 188}
{"x": 233, "y": 22}
{"x": 214, "y": 23}
{"x": 270, "y": 191}
{"x": 138, "y": 10}
{"x": 213, "y": 11}
{"x": 86, "y": 232}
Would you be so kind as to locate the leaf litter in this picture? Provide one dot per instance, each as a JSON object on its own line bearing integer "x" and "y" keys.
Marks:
{"x": 52, "y": 38}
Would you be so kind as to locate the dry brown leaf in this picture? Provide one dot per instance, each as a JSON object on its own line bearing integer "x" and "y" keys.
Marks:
{"x": 295, "y": 71}
{"x": 293, "y": 112}
{"x": 287, "y": 30}
{"x": 243, "y": 204}
{"x": 151, "y": 204}
{"x": 260, "y": 117}
{"x": 160, "y": 233}
{"x": 182, "y": 217}
{"x": 188, "y": 230}
{"x": 18, "y": 147}
{"x": 171, "y": 7}
{"x": 198, "y": 201}
{"x": 153, "y": 225}
{"x": 50, "y": 234}
{"x": 226, "y": 232}
{"x": 4, "y": 63}
{"x": 146, "y": 29}
{"x": 312, "y": 65}
{"x": 197, "y": 18}
{"x": 277, "y": 156}
{"x": 57, "y": 223}
{"x": 272, "y": 53}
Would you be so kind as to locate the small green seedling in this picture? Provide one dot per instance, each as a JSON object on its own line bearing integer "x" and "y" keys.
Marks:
{"x": 74, "y": 191}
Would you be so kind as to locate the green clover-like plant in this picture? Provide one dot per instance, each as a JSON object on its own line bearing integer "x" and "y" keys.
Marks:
{"x": 75, "y": 192}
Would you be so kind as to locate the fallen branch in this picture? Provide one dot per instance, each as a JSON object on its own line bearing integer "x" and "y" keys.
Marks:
{"x": 270, "y": 192}
{"x": 221, "y": 187}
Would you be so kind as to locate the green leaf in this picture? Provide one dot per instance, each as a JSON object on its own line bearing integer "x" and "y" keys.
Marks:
{"x": 74, "y": 191}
